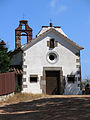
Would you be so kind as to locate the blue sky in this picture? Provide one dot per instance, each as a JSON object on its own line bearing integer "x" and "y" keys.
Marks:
{"x": 72, "y": 15}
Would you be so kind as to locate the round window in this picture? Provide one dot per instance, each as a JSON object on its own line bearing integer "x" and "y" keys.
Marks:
{"x": 52, "y": 57}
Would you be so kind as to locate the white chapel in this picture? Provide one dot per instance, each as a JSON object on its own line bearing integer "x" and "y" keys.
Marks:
{"x": 47, "y": 64}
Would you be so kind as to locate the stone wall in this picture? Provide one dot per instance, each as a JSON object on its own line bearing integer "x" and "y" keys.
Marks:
{"x": 4, "y": 97}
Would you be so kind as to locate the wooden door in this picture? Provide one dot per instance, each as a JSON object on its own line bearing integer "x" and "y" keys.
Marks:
{"x": 52, "y": 82}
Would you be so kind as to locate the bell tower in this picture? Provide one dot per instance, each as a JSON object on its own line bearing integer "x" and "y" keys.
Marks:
{"x": 22, "y": 30}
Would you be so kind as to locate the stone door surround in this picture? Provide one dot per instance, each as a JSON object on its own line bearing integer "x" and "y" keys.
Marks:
{"x": 43, "y": 79}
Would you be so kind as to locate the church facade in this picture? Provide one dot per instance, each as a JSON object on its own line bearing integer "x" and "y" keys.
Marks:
{"x": 50, "y": 63}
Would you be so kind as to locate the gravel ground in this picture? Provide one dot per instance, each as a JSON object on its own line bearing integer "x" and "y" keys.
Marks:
{"x": 49, "y": 108}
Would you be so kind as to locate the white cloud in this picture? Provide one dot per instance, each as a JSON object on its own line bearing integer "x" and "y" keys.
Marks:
{"x": 53, "y": 3}
{"x": 57, "y": 6}
{"x": 61, "y": 9}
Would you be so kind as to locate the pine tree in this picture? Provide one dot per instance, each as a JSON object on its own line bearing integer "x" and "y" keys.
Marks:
{"x": 4, "y": 58}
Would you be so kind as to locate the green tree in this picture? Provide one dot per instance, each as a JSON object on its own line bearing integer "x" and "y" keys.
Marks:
{"x": 4, "y": 58}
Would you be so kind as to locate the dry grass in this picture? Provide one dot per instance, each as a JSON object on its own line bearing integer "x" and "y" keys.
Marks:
{"x": 24, "y": 97}
{"x": 21, "y": 97}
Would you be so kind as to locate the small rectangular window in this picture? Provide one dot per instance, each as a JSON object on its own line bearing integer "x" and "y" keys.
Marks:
{"x": 71, "y": 78}
{"x": 33, "y": 78}
{"x": 52, "y": 43}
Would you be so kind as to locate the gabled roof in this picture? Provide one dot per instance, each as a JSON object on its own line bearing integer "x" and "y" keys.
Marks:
{"x": 45, "y": 28}
{"x": 35, "y": 40}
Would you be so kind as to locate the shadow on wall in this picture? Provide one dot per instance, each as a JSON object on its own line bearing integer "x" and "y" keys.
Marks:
{"x": 73, "y": 85}
{"x": 48, "y": 108}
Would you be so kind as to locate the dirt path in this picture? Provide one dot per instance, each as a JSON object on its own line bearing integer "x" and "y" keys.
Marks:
{"x": 51, "y": 108}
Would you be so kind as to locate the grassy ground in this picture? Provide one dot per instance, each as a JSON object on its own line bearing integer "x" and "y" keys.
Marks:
{"x": 21, "y": 97}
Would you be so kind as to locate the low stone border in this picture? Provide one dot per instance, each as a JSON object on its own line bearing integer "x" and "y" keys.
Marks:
{"x": 4, "y": 97}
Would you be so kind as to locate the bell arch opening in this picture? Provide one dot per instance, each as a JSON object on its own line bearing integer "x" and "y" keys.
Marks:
{"x": 23, "y": 38}
{"x": 23, "y": 27}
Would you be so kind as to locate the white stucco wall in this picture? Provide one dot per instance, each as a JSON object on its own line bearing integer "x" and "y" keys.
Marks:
{"x": 36, "y": 59}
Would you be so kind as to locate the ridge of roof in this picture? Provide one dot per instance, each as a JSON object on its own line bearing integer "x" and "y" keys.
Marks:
{"x": 53, "y": 26}
{"x": 52, "y": 29}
